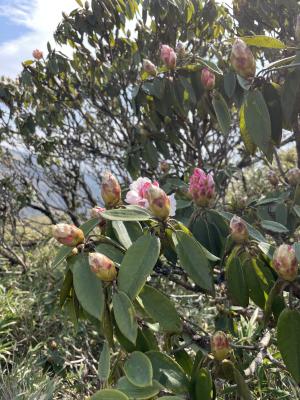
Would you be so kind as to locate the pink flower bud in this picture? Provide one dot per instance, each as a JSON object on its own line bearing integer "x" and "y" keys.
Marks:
{"x": 242, "y": 59}
{"x": 110, "y": 190}
{"x": 297, "y": 29}
{"x": 69, "y": 235}
{"x": 285, "y": 262}
{"x": 103, "y": 267}
{"x": 159, "y": 202}
{"x": 168, "y": 56}
{"x": 293, "y": 176}
{"x": 239, "y": 230}
{"x": 96, "y": 213}
{"x": 220, "y": 346}
{"x": 164, "y": 167}
{"x": 37, "y": 54}
{"x": 208, "y": 79}
{"x": 202, "y": 188}
{"x": 273, "y": 178}
{"x": 149, "y": 67}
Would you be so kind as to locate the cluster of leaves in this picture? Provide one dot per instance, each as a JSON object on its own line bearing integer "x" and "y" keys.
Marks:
{"x": 133, "y": 314}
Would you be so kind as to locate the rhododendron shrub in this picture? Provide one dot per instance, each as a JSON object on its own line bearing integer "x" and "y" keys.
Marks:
{"x": 189, "y": 277}
{"x": 110, "y": 281}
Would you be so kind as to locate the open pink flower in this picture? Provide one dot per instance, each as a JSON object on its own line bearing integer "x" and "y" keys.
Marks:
{"x": 202, "y": 187}
{"x": 137, "y": 194}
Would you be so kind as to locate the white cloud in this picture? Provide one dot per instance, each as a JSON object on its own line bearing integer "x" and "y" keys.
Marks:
{"x": 41, "y": 17}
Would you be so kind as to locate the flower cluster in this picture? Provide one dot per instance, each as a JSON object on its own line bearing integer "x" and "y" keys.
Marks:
{"x": 239, "y": 230}
{"x": 285, "y": 262}
{"x": 37, "y": 54}
{"x": 242, "y": 59}
{"x": 220, "y": 346}
{"x": 147, "y": 194}
{"x": 168, "y": 56}
{"x": 208, "y": 79}
{"x": 110, "y": 190}
{"x": 293, "y": 176}
{"x": 96, "y": 213}
{"x": 102, "y": 266}
{"x": 202, "y": 188}
{"x": 69, "y": 235}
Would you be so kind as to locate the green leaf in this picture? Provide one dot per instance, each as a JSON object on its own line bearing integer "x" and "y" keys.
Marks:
{"x": 127, "y": 232}
{"x": 125, "y": 316}
{"x": 229, "y": 83}
{"x": 273, "y": 101}
{"x": 135, "y": 392}
{"x": 66, "y": 287}
{"x": 87, "y": 287}
{"x": 296, "y": 208}
{"x": 150, "y": 154}
{"x": 242, "y": 386}
{"x": 167, "y": 372}
{"x": 190, "y": 11}
{"x": 126, "y": 214}
{"x": 138, "y": 264}
{"x": 79, "y": 2}
{"x": 258, "y": 122}
{"x": 104, "y": 363}
{"x": 297, "y": 250}
{"x": 263, "y": 41}
{"x": 210, "y": 65}
{"x": 171, "y": 398}
{"x": 89, "y": 225}
{"x": 236, "y": 282}
{"x": 155, "y": 88}
{"x": 250, "y": 146}
{"x": 267, "y": 249}
{"x": 110, "y": 251}
{"x": 161, "y": 309}
{"x": 61, "y": 255}
{"x": 289, "y": 94}
{"x": 255, "y": 282}
{"x": 202, "y": 385}
{"x": 274, "y": 226}
{"x": 28, "y": 62}
{"x": 138, "y": 369}
{"x": 222, "y": 113}
{"x": 109, "y": 394}
{"x": 193, "y": 260}
{"x": 288, "y": 341}
{"x": 272, "y": 295}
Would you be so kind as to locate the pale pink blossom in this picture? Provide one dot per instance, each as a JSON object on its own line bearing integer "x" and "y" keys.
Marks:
{"x": 168, "y": 56}
{"x": 202, "y": 188}
{"x": 37, "y": 54}
{"x": 137, "y": 194}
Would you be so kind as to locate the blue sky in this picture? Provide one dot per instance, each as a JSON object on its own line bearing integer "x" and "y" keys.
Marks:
{"x": 26, "y": 25}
